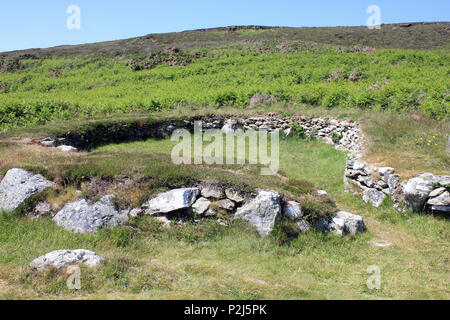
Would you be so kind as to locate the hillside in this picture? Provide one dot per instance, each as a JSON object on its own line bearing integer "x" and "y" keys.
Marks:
{"x": 422, "y": 35}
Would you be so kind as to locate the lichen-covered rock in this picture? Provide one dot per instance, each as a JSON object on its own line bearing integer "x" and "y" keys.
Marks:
{"x": 346, "y": 222}
{"x": 172, "y": 200}
{"x": 62, "y": 258}
{"x": 234, "y": 195}
{"x": 303, "y": 225}
{"x": 436, "y": 192}
{"x": 374, "y": 196}
{"x": 83, "y": 217}
{"x": 41, "y": 209}
{"x": 393, "y": 181}
{"x": 212, "y": 192}
{"x": 226, "y": 204}
{"x": 292, "y": 210}
{"x": 201, "y": 205}
{"x": 442, "y": 199}
{"x": 19, "y": 185}
{"x": 262, "y": 212}
{"x": 417, "y": 190}
{"x": 385, "y": 171}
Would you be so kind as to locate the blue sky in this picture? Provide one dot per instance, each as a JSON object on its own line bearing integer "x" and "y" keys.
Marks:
{"x": 42, "y": 23}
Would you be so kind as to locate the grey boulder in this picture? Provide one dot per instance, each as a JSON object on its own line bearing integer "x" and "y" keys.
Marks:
{"x": 374, "y": 196}
{"x": 417, "y": 190}
{"x": 262, "y": 211}
{"x": 292, "y": 210}
{"x": 441, "y": 200}
{"x": 212, "y": 192}
{"x": 234, "y": 195}
{"x": 18, "y": 185}
{"x": 172, "y": 200}
{"x": 303, "y": 225}
{"x": 346, "y": 222}
{"x": 201, "y": 205}
{"x": 83, "y": 217}
{"x": 62, "y": 258}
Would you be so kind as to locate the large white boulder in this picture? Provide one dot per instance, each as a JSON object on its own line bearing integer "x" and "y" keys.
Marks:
{"x": 262, "y": 211}
{"x": 62, "y": 258}
{"x": 417, "y": 190}
{"x": 172, "y": 200}
{"x": 18, "y": 185}
{"x": 83, "y": 217}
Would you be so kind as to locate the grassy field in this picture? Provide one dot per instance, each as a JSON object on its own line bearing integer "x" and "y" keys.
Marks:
{"x": 211, "y": 261}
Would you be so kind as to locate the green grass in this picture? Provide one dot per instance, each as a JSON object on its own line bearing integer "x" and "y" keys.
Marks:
{"x": 146, "y": 261}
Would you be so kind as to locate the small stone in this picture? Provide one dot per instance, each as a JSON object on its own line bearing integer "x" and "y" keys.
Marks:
{"x": 62, "y": 258}
{"x": 201, "y": 205}
{"x": 212, "y": 192}
{"x": 41, "y": 209}
{"x": 444, "y": 180}
{"x": 292, "y": 210}
{"x": 383, "y": 170}
{"x": 382, "y": 244}
{"x": 134, "y": 213}
{"x": 303, "y": 225}
{"x": 346, "y": 222}
{"x": 48, "y": 143}
{"x": 225, "y": 204}
{"x": 436, "y": 192}
{"x": 172, "y": 200}
{"x": 322, "y": 193}
{"x": 374, "y": 196}
{"x": 234, "y": 195}
{"x": 67, "y": 148}
{"x": 393, "y": 181}
{"x": 441, "y": 200}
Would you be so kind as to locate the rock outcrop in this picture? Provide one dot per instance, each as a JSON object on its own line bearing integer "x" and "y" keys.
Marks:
{"x": 19, "y": 185}
{"x": 63, "y": 258}
{"x": 83, "y": 217}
